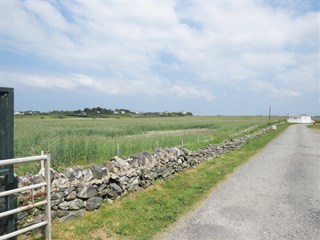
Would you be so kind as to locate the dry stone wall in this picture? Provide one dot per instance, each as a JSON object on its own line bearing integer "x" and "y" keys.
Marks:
{"x": 77, "y": 190}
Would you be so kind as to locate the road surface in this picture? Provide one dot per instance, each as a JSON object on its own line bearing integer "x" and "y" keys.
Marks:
{"x": 276, "y": 195}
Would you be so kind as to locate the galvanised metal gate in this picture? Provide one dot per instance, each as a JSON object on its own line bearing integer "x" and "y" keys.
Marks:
{"x": 8, "y": 182}
{"x": 46, "y": 184}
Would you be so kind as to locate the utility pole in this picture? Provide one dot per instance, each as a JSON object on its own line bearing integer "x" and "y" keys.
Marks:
{"x": 269, "y": 112}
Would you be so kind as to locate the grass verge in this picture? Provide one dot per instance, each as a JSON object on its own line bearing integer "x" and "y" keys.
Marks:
{"x": 145, "y": 214}
{"x": 317, "y": 126}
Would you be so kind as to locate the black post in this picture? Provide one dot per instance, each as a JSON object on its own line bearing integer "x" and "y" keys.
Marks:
{"x": 6, "y": 151}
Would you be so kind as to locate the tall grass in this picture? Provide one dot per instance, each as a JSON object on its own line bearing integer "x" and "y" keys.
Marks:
{"x": 78, "y": 141}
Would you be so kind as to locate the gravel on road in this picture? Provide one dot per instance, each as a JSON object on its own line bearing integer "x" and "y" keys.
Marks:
{"x": 275, "y": 195}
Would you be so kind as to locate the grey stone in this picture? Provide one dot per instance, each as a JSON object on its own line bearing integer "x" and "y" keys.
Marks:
{"x": 87, "y": 174}
{"x": 112, "y": 169}
{"x": 72, "y": 205}
{"x": 96, "y": 181}
{"x": 69, "y": 174}
{"x": 145, "y": 171}
{"x": 151, "y": 161}
{"x": 54, "y": 214}
{"x": 76, "y": 183}
{"x": 133, "y": 162}
{"x": 68, "y": 190}
{"x": 116, "y": 187}
{"x": 37, "y": 179}
{"x": 88, "y": 192}
{"x": 22, "y": 215}
{"x": 160, "y": 154}
{"x": 64, "y": 206}
{"x": 110, "y": 193}
{"x": 62, "y": 213}
{"x": 124, "y": 165}
{"x": 141, "y": 158}
{"x": 76, "y": 204}
{"x": 54, "y": 174}
{"x": 25, "y": 180}
{"x": 101, "y": 187}
{"x": 174, "y": 152}
{"x": 71, "y": 196}
{"x": 167, "y": 172}
{"x": 132, "y": 172}
{"x": 134, "y": 186}
{"x": 103, "y": 192}
{"x": 56, "y": 202}
{"x": 38, "y": 218}
{"x": 77, "y": 172}
{"x": 145, "y": 183}
{"x": 97, "y": 171}
{"x": 186, "y": 151}
{"x": 57, "y": 195}
{"x": 60, "y": 183}
{"x": 93, "y": 203}
{"x": 117, "y": 166}
{"x": 122, "y": 180}
{"x": 72, "y": 216}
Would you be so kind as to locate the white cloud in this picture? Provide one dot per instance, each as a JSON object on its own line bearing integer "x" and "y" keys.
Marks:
{"x": 243, "y": 39}
{"x": 47, "y": 14}
{"x": 190, "y": 91}
{"x": 111, "y": 86}
{"x": 304, "y": 73}
{"x": 274, "y": 91}
{"x": 233, "y": 43}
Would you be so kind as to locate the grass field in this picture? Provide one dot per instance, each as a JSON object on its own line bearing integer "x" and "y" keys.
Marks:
{"x": 80, "y": 141}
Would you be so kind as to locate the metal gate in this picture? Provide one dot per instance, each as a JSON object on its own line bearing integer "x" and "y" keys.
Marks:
{"x": 8, "y": 182}
{"x": 47, "y": 221}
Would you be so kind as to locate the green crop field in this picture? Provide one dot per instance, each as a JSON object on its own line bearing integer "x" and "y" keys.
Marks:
{"x": 81, "y": 141}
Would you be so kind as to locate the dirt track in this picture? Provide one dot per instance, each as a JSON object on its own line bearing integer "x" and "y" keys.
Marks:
{"x": 276, "y": 195}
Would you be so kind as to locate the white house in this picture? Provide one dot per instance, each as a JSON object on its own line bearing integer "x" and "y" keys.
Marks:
{"x": 299, "y": 118}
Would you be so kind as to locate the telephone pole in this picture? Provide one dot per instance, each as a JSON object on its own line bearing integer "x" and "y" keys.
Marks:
{"x": 269, "y": 112}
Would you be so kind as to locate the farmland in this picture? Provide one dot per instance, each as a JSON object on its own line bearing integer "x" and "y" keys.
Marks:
{"x": 81, "y": 141}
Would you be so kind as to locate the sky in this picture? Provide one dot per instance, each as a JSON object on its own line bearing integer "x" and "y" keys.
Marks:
{"x": 205, "y": 57}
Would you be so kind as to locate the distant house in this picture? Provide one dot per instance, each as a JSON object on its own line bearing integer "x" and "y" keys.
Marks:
{"x": 18, "y": 113}
{"x": 299, "y": 118}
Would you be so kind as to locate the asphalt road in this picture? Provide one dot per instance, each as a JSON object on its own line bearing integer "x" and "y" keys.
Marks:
{"x": 276, "y": 195}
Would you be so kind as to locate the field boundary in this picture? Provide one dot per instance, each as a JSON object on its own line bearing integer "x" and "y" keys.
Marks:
{"x": 78, "y": 190}
{"x": 144, "y": 214}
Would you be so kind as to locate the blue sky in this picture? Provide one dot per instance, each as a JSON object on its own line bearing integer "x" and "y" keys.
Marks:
{"x": 206, "y": 57}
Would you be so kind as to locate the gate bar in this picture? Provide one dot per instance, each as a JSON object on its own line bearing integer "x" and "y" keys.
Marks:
{"x": 23, "y": 160}
{"x": 23, "y": 230}
{"x": 23, "y": 189}
{"x": 21, "y": 209}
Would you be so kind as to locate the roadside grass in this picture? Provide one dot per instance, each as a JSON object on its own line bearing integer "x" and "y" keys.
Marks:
{"x": 144, "y": 215}
{"x": 316, "y": 126}
{"x": 317, "y": 123}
